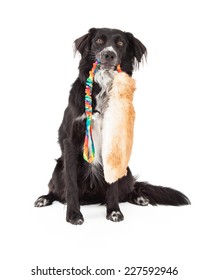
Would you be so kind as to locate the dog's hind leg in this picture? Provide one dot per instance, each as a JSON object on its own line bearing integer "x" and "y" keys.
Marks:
{"x": 48, "y": 199}
{"x": 113, "y": 211}
{"x": 56, "y": 188}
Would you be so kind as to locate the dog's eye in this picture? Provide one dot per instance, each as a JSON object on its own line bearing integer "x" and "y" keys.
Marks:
{"x": 120, "y": 43}
{"x": 99, "y": 41}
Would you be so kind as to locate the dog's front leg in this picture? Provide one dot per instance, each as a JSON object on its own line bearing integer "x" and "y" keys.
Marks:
{"x": 113, "y": 211}
{"x": 73, "y": 214}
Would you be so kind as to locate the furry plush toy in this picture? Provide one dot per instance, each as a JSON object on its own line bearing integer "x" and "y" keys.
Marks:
{"x": 118, "y": 128}
{"x": 118, "y": 124}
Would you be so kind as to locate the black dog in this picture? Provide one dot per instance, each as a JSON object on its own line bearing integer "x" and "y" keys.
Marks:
{"x": 75, "y": 181}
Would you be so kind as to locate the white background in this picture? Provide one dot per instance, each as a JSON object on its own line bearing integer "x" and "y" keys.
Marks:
{"x": 37, "y": 68}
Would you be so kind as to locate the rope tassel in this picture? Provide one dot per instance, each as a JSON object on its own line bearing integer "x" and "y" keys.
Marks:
{"x": 89, "y": 149}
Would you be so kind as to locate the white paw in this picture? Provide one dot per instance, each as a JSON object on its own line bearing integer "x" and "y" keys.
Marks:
{"x": 115, "y": 216}
{"x": 142, "y": 201}
{"x": 41, "y": 202}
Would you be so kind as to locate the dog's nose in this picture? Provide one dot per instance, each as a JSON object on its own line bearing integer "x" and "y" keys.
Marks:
{"x": 109, "y": 56}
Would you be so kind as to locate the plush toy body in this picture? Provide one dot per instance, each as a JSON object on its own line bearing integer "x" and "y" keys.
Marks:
{"x": 118, "y": 128}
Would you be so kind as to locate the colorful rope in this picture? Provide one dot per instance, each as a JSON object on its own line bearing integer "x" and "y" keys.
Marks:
{"x": 89, "y": 149}
{"x": 119, "y": 68}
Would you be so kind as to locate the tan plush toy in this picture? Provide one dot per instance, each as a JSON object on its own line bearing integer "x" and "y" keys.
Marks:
{"x": 118, "y": 128}
{"x": 118, "y": 125}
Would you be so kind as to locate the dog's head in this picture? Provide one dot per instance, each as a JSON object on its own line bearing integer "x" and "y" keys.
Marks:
{"x": 110, "y": 47}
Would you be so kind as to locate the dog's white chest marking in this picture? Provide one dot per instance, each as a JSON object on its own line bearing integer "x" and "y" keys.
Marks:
{"x": 104, "y": 78}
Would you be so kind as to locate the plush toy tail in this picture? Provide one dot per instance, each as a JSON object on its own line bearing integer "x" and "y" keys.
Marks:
{"x": 89, "y": 149}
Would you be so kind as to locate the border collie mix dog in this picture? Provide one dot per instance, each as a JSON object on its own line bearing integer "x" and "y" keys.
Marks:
{"x": 75, "y": 181}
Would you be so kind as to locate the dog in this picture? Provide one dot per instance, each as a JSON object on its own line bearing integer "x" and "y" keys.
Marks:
{"x": 75, "y": 181}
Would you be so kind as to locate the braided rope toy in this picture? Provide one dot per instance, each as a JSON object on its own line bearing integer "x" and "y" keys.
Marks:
{"x": 89, "y": 149}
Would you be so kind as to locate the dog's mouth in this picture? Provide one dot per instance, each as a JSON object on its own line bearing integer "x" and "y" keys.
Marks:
{"x": 107, "y": 66}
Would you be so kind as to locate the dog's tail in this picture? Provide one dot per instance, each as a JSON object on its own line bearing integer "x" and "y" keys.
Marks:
{"x": 157, "y": 195}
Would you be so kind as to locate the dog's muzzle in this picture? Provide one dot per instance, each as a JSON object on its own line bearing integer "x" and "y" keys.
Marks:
{"x": 108, "y": 58}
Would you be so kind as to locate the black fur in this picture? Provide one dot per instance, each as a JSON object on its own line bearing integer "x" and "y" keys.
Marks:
{"x": 76, "y": 182}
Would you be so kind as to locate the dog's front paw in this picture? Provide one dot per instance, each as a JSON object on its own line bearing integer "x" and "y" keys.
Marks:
{"x": 75, "y": 218}
{"x": 115, "y": 216}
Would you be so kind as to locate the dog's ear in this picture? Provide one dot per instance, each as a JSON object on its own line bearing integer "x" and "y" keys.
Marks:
{"x": 82, "y": 44}
{"x": 139, "y": 50}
